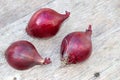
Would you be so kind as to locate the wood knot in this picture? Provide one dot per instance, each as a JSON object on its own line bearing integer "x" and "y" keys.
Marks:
{"x": 97, "y": 74}
{"x": 14, "y": 78}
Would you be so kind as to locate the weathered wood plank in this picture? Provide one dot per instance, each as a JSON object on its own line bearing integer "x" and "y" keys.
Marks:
{"x": 11, "y": 10}
{"x": 104, "y": 15}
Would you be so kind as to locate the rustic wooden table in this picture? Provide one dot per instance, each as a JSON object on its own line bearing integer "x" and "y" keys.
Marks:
{"x": 104, "y": 15}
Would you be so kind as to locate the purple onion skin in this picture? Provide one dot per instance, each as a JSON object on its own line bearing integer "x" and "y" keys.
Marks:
{"x": 45, "y": 23}
{"x": 22, "y": 55}
{"x": 76, "y": 47}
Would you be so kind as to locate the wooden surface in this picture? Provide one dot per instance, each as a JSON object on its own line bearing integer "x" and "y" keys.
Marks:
{"x": 104, "y": 15}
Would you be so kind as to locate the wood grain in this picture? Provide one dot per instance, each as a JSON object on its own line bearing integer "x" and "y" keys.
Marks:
{"x": 11, "y": 10}
{"x": 104, "y": 15}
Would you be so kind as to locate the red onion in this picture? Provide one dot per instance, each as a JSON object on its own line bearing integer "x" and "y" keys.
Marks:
{"x": 45, "y": 23}
{"x": 22, "y": 55}
{"x": 76, "y": 47}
